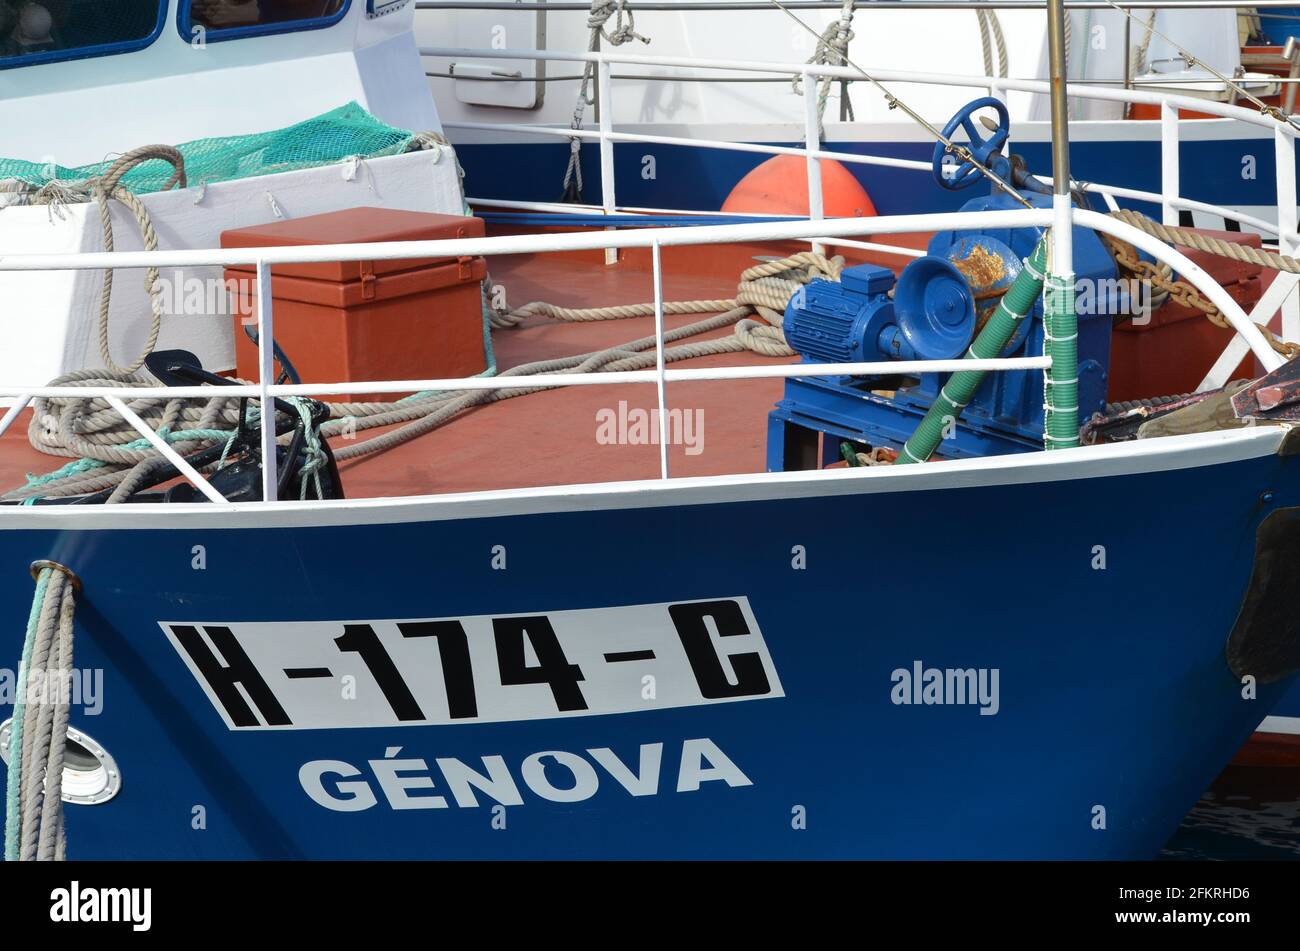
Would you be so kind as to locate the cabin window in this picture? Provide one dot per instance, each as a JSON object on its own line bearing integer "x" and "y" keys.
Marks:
{"x": 231, "y": 19}
{"x": 39, "y": 31}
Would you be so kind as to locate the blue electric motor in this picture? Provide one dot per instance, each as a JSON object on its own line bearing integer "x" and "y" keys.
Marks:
{"x": 932, "y": 312}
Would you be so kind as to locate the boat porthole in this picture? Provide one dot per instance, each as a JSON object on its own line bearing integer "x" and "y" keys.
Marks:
{"x": 90, "y": 774}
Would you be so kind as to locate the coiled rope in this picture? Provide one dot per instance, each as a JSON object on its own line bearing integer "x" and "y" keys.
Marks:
{"x": 39, "y": 729}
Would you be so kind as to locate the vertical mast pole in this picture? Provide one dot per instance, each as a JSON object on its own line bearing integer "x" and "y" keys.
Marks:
{"x": 1060, "y": 323}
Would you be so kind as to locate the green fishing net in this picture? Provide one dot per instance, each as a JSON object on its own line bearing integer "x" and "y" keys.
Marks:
{"x": 337, "y": 135}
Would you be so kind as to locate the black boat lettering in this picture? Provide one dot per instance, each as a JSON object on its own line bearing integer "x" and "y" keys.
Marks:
{"x": 552, "y": 667}
{"x": 312, "y": 675}
{"x": 225, "y": 674}
{"x": 750, "y": 677}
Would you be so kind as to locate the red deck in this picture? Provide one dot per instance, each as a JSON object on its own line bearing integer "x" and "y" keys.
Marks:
{"x": 551, "y": 438}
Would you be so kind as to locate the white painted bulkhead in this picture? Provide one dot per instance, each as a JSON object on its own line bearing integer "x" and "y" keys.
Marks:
{"x": 884, "y": 39}
{"x": 82, "y": 111}
{"x": 50, "y": 318}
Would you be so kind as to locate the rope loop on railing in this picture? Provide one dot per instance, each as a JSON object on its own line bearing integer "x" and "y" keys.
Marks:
{"x": 102, "y": 189}
{"x": 624, "y": 32}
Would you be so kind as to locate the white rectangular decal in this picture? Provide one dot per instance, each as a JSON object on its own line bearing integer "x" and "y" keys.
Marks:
{"x": 312, "y": 675}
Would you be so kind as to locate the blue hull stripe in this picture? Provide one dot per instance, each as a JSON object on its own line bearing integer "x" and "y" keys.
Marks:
{"x": 699, "y": 179}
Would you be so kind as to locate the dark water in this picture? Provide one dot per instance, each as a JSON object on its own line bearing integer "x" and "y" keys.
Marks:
{"x": 1251, "y": 812}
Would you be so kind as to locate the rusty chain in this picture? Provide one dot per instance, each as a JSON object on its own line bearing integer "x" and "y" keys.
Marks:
{"x": 1160, "y": 277}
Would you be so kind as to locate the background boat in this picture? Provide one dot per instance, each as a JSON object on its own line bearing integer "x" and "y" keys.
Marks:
{"x": 691, "y": 97}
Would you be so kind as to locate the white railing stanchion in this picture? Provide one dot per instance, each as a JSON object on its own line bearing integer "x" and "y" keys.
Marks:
{"x": 660, "y": 381}
{"x": 265, "y": 377}
{"x": 999, "y": 92}
{"x": 1169, "y": 164}
{"x": 1288, "y": 242}
{"x": 812, "y": 142}
{"x": 605, "y": 107}
{"x": 1237, "y": 349}
{"x": 170, "y": 454}
{"x": 14, "y": 412}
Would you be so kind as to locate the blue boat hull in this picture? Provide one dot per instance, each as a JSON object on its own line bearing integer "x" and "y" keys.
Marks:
{"x": 788, "y": 724}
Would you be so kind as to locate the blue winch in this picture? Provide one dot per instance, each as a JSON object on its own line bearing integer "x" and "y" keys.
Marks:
{"x": 932, "y": 312}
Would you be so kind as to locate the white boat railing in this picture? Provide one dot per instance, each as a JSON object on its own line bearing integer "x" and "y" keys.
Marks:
{"x": 1170, "y": 104}
{"x": 815, "y": 229}
{"x": 653, "y": 238}
{"x": 1282, "y": 293}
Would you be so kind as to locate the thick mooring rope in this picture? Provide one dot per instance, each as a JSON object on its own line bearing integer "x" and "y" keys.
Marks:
{"x": 1211, "y": 245}
{"x": 39, "y": 729}
{"x": 1184, "y": 292}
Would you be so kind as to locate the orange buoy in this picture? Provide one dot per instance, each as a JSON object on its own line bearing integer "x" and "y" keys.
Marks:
{"x": 780, "y": 187}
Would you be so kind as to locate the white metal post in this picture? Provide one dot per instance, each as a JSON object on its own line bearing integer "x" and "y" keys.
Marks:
{"x": 660, "y": 381}
{"x": 1273, "y": 297}
{"x": 1062, "y": 262}
{"x": 266, "y": 376}
{"x": 170, "y": 454}
{"x": 812, "y": 142}
{"x": 14, "y": 412}
{"x": 998, "y": 92}
{"x": 1169, "y": 164}
{"x": 1287, "y": 240}
{"x": 605, "y": 107}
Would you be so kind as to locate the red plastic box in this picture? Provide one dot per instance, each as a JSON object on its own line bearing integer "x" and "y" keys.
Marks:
{"x": 348, "y": 321}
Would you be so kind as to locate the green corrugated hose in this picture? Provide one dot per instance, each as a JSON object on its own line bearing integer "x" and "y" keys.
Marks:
{"x": 954, "y": 396}
{"x": 1061, "y": 343}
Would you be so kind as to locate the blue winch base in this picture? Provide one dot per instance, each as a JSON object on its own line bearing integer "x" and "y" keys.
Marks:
{"x": 928, "y": 317}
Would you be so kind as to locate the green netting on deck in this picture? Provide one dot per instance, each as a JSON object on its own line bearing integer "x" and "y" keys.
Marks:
{"x": 324, "y": 140}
